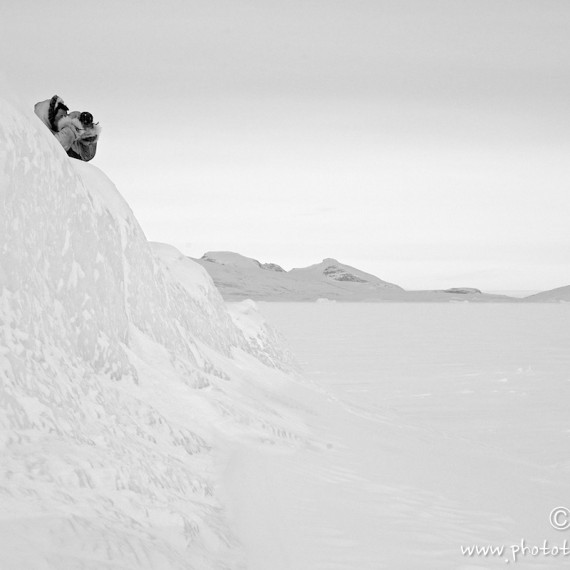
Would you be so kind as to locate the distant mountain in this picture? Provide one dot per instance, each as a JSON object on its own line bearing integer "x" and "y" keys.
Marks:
{"x": 332, "y": 270}
{"x": 239, "y": 277}
{"x": 558, "y": 295}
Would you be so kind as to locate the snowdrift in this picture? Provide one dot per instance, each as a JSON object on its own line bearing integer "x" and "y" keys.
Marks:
{"x": 122, "y": 374}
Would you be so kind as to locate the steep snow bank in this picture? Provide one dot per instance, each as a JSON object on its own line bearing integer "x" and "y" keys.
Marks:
{"x": 120, "y": 369}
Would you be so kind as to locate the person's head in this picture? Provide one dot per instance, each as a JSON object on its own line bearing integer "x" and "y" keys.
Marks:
{"x": 60, "y": 111}
{"x": 57, "y": 110}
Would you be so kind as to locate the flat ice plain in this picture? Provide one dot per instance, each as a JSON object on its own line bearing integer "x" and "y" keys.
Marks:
{"x": 442, "y": 427}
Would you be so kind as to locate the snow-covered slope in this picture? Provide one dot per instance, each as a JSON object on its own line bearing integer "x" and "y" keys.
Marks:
{"x": 238, "y": 277}
{"x": 558, "y": 295}
{"x": 122, "y": 374}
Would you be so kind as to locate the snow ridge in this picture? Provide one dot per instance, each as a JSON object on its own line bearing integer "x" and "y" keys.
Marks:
{"x": 120, "y": 368}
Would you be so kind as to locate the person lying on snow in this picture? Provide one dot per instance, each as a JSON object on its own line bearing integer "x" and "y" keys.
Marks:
{"x": 75, "y": 131}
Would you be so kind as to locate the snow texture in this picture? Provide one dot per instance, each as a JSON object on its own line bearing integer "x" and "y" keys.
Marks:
{"x": 446, "y": 426}
{"x": 120, "y": 368}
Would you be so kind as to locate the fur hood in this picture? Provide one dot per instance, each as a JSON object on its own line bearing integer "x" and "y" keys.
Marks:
{"x": 45, "y": 110}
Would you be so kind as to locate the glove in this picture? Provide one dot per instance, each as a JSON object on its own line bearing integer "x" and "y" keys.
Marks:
{"x": 89, "y": 135}
{"x": 68, "y": 131}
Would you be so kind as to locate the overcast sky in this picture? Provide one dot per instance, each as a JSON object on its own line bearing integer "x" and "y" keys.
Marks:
{"x": 427, "y": 142}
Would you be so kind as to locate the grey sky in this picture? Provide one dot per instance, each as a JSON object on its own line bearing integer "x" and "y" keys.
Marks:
{"x": 423, "y": 141}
